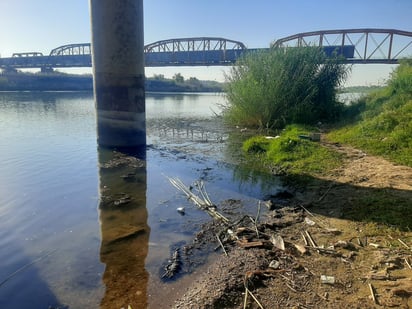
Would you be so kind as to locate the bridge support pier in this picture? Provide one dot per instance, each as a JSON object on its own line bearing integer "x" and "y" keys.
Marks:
{"x": 118, "y": 72}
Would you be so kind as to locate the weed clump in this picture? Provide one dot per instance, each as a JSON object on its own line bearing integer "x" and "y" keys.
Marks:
{"x": 292, "y": 152}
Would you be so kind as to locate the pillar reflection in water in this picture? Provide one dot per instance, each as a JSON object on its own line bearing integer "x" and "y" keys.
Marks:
{"x": 124, "y": 229}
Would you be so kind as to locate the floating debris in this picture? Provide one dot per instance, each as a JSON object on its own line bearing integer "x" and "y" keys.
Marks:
{"x": 181, "y": 210}
{"x": 202, "y": 200}
{"x": 120, "y": 159}
{"x": 125, "y": 199}
{"x": 174, "y": 265}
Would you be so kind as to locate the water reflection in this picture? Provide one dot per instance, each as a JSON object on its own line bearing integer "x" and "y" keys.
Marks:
{"x": 124, "y": 229}
{"x": 49, "y": 197}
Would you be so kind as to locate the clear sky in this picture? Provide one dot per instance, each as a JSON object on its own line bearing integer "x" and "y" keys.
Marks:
{"x": 41, "y": 25}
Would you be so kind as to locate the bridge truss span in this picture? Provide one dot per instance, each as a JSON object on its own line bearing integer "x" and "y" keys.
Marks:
{"x": 194, "y": 44}
{"x": 81, "y": 49}
{"x": 193, "y": 51}
{"x": 370, "y": 45}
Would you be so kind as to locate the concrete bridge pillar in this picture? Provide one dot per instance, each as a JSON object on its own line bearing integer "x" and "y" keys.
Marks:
{"x": 118, "y": 72}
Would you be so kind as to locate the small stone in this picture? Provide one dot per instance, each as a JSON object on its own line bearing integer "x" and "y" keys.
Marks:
{"x": 274, "y": 264}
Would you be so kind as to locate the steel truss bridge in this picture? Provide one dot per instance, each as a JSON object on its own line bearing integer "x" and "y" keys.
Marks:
{"x": 355, "y": 45}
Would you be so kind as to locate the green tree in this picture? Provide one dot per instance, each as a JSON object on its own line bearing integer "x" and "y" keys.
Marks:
{"x": 158, "y": 77}
{"x": 270, "y": 89}
{"x": 178, "y": 78}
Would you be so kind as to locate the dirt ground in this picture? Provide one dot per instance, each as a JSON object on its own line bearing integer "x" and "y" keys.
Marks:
{"x": 304, "y": 254}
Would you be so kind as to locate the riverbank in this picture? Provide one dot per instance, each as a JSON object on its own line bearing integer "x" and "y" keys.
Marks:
{"x": 310, "y": 234}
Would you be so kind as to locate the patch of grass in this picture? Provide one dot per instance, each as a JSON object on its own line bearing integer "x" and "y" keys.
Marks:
{"x": 293, "y": 153}
{"x": 384, "y": 126}
{"x": 256, "y": 145}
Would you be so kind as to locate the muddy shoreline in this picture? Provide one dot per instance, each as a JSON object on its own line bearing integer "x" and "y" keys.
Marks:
{"x": 280, "y": 259}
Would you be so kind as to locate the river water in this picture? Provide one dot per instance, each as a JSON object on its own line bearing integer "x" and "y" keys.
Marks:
{"x": 59, "y": 243}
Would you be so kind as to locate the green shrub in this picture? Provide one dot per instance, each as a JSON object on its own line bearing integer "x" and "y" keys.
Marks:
{"x": 270, "y": 89}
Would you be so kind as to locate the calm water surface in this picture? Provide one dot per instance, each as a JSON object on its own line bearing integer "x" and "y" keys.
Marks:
{"x": 57, "y": 241}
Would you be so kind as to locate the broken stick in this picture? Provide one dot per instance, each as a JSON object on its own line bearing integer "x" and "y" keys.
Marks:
{"x": 372, "y": 293}
{"x": 221, "y": 244}
{"x": 407, "y": 263}
{"x": 406, "y": 246}
{"x": 312, "y": 242}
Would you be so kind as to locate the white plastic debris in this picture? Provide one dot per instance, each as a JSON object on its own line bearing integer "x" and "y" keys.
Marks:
{"x": 327, "y": 279}
{"x": 181, "y": 210}
{"x": 309, "y": 222}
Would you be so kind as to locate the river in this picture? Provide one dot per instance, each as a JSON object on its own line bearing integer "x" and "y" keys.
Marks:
{"x": 56, "y": 249}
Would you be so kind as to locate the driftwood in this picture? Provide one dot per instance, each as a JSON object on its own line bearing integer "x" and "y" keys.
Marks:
{"x": 221, "y": 244}
{"x": 324, "y": 250}
{"x": 403, "y": 243}
{"x": 252, "y": 244}
{"x": 203, "y": 201}
{"x": 304, "y": 239}
{"x": 248, "y": 292}
{"x": 311, "y": 241}
{"x": 174, "y": 265}
{"x": 372, "y": 293}
{"x": 407, "y": 263}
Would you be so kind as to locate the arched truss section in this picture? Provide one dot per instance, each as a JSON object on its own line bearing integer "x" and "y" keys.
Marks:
{"x": 194, "y": 44}
{"x": 370, "y": 45}
{"x": 72, "y": 50}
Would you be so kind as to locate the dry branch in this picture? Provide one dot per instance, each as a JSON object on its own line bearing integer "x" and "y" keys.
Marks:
{"x": 202, "y": 202}
{"x": 372, "y": 293}
{"x": 254, "y": 297}
{"x": 311, "y": 241}
{"x": 221, "y": 244}
{"x": 403, "y": 243}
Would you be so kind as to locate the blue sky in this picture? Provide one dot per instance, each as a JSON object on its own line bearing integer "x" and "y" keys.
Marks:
{"x": 41, "y": 25}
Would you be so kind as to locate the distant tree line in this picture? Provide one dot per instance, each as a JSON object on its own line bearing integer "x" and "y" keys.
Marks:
{"x": 58, "y": 81}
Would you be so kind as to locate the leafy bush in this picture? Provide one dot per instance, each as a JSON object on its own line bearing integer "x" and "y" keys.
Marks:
{"x": 270, "y": 89}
